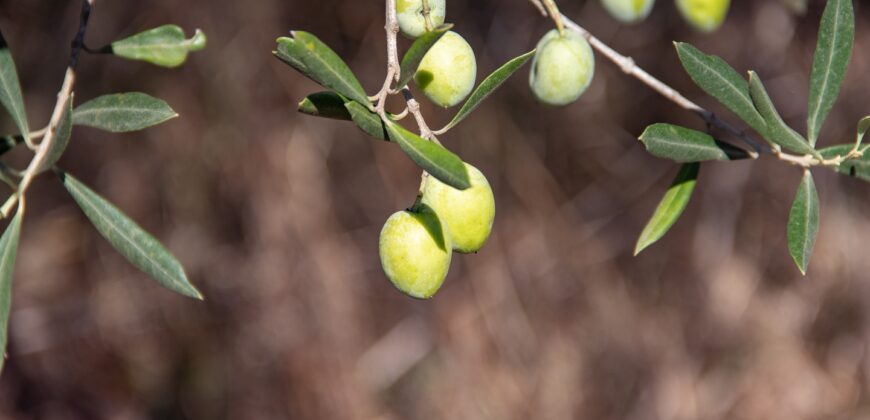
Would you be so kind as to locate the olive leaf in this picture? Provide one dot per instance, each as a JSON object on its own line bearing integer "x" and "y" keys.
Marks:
{"x": 777, "y": 131}
{"x": 412, "y": 58}
{"x": 367, "y": 121}
{"x": 325, "y": 104}
{"x": 488, "y": 86}
{"x": 332, "y": 105}
{"x": 311, "y": 57}
{"x": 8, "y": 252}
{"x": 163, "y": 46}
{"x": 803, "y": 222}
{"x": 61, "y": 137}
{"x": 130, "y": 240}
{"x": 833, "y": 51}
{"x": 671, "y": 207}
{"x": 683, "y": 145}
{"x": 10, "y": 89}
{"x": 714, "y": 76}
{"x": 863, "y": 126}
{"x": 431, "y": 157}
{"x": 123, "y": 112}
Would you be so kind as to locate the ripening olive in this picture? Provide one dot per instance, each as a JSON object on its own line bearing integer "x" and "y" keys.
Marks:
{"x": 467, "y": 214}
{"x": 628, "y": 11}
{"x": 704, "y": 15}
{"x": 447, "y": 72}
{"x": 412, "y": 23}
{"x": 562, "y": 68}
{"x": 415, "y": 251}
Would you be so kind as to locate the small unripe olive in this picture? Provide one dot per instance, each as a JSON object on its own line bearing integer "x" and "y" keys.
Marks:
{"x": 467, "y": 214}
{"x": 562, "y": 69}
{"x": 447, "y": 72}
{"x": 628, "y": 11}
{"x": 412, "y": 23}
{"x": 415, "y": 251}
{"x": 704, "y": 15}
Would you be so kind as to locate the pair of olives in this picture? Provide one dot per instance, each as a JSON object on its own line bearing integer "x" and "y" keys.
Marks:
{"x": 448, "y": 71}
{"x": 704, "y": 15}
{"x": 416, "y": 245}
{"x": 562, "y": 69}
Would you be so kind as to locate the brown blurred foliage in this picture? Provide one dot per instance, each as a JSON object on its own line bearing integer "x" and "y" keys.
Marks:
{"x": 276, "y": 217}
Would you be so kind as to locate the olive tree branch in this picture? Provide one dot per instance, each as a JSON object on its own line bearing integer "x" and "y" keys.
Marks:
{"x": 393, "y": 68}
{"x": 629, "y": 67}
{"x": 63, "y": 98}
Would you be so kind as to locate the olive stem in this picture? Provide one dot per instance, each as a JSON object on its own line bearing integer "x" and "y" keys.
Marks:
{"x": 393, "y": 67}
{"x": 414, "y": 109}
{"x": 555, "y": 14}
{"x": 427, "y": 19}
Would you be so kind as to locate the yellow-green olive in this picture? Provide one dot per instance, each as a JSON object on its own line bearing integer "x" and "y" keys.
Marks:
{"x": 704, "y": 15}
{"x": 412, "y": 22}
{"x": 415, "y": 251}
{"x": 562, "y": 69}
{"x": 447, "y": 72}
{"x": 467, "y": 214}
{"x": 628, "y": 11}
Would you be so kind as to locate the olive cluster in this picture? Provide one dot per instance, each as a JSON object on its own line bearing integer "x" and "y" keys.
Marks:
{"x": 416, "y": 245}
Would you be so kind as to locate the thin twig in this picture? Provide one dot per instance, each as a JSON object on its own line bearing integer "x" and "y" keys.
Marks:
{"x": 63, "y": 98}
{"x": 414, "y": 109}
{"x": 393, "y": 67}
{"x": 629, "y": 67}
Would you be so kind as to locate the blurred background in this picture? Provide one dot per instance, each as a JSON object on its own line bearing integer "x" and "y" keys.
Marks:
{"x": 276, "y": 217}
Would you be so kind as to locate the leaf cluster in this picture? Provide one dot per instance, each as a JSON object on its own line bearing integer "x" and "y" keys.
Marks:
{"x": 748, "y": 99}
{"x": 116, "y": 113}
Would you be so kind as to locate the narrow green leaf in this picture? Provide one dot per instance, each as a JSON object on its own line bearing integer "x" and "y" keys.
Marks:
{"x": 863, "y": 126}
{"x": 858, "y": 167}
{"x": 778, "y": 131}
{"x": 488, "y": 86}
{"x": 434, "y": 159}
{"x": 8, "y": 252}
{"x": 671, "y": 207}
{"x": 326, "y": 105}
{"x": 833, "y": 52}
{"x": 682, "y": 145}
{"x": 163, "y": 46}
{"x": 122, "y": 112}
{"x": 313, "y": 58}
{"x": 139, "y": 247}
{"x": 61, "y": 138}
{"x": 10, "y": 89}
{"x": 367, "y": 121}
{"x": 803, "y": 222}
{"x": 411, "y": 60}
{"x": 714, "y": 76}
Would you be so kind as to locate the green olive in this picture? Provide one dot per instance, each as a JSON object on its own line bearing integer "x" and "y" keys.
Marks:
{"x": 447, "y": 72}
{"x": 628, "y": 11}
{"x": 415, "y": 251}
{"x": 467, "y": 214}
{"x": 704, "y": 15}
{"x": 412, "y": 23}
{"x": 562, "y": 69}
